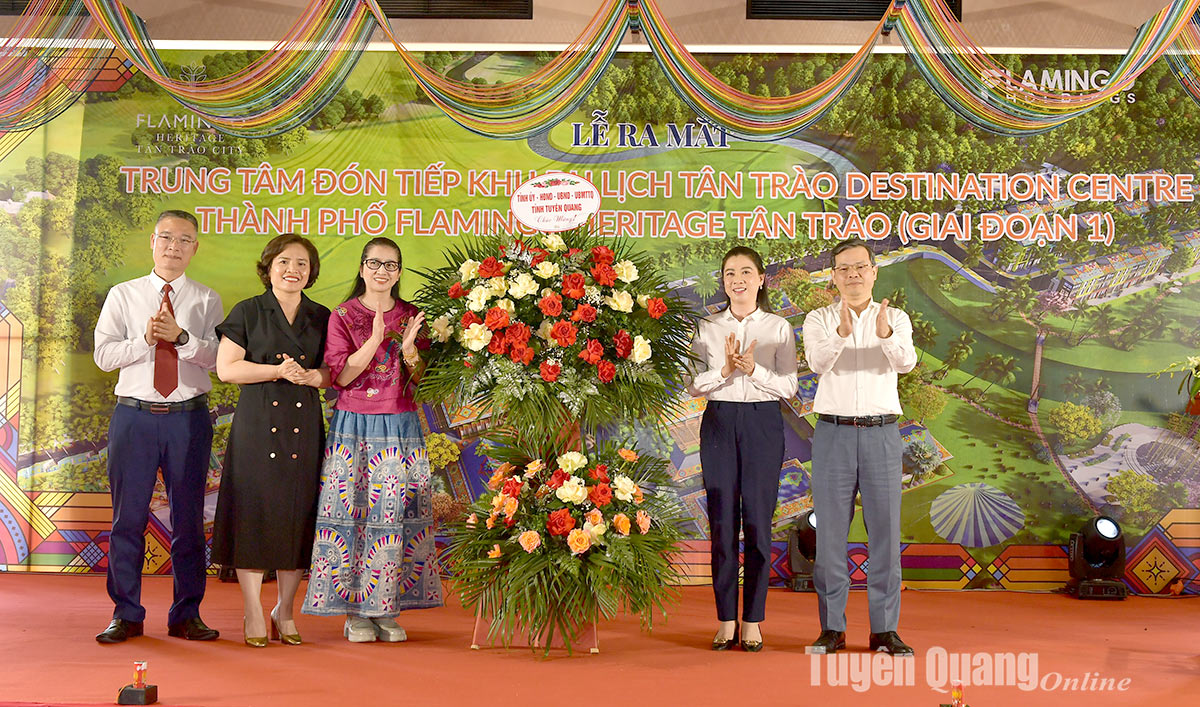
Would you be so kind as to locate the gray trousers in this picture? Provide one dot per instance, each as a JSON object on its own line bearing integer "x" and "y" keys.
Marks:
{"x": 847, "y": 459}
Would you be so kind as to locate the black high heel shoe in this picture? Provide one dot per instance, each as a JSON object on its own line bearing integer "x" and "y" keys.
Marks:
{"x": 752, "y": 646}
{"x": 719, "y": 645}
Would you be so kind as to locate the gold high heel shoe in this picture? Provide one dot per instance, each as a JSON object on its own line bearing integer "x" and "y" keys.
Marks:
{"x": 288, "y": 639}
{"x": 253, "y": 641}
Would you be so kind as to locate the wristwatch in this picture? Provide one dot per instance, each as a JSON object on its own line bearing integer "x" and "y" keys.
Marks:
{"x": 182, "y": 339}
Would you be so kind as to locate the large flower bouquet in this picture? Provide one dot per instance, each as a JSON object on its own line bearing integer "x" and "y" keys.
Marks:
{"x": 560, "y": 540}
{"x": 555, "y": 331}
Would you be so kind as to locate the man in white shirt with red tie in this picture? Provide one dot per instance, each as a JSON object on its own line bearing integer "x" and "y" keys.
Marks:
{"x": 160, "y": 331}
{"x": 857, "y": 347}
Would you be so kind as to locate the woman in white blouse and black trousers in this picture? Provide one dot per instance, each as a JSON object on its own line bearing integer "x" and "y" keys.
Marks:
{"x": 746, "y": 365}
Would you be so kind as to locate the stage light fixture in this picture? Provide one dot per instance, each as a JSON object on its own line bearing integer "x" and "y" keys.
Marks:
{"x": 1097, "y": 560}
{"x": 802, "y": 552}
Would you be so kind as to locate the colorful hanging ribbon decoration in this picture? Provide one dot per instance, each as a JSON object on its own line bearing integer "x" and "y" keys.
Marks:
{"x": 294, "y": 81}
{"x": 532, "y": 104}
{"x": 55, "y": 53}
{"x": 742, "y": 114}
{"x": 985, "y": 94}
{"x": 1184, "y": 58}
{"x": 283, "y": 89}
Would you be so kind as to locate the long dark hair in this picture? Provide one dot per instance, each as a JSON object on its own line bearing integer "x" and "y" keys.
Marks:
{"x": 764, "y": 302}
{"x": 360, "y": 285}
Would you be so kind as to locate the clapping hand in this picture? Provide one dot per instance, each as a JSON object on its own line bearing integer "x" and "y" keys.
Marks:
{"x": 378, "y": 326}
{"x": 162, "y": 326}
{"x": 882, "y": 328}
{"x": 744, "y": 361}
{"x": 845, "y": 324}
{"x": 409, "y": 340}
{"x": 731, "y": 353}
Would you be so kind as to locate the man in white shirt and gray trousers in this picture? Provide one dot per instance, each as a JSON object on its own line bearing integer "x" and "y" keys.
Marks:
{"x": 857, "y": 347}
{"x": 160, "y": 331}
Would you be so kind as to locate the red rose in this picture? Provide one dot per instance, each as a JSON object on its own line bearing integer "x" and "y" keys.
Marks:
{"x": 511, "y": 488}
{"x": 606, "y": 370}
{"x": 496, "y": 319}
{"x": 551, "y": 305}
{"x": 573, "y": 285}
{"x": 469, "y": 318}
{"x": 603, "y": 255}
{"x": 510, "y": 522}
{"x": 624, "y": 343}
{"x": 558, "y": 478}
{"x": 456, "y": 291}
{"x": 656, "y": 307}
{"x": 600, "y": 495}
{"x": 490, "y": 267}
{"x": 518, "y": 333}
{"x": 563, "y": 333}
{"x": 584, "y": 313}
{"x": 604, "y": 275}
{"x": 600, "y": 473}
{"x": 539, "y": 255}
{"x": 549, "y": 371}
{"x": 560, "y": 522}
{"x": 521, "y": 353}
{"x": 498, "y": 345}
{"x": 572, "y": 252}
{"x": 592, "y": 352}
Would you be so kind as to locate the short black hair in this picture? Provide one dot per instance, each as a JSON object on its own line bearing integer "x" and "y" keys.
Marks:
{"x": 847, "y": 245}
{"x": 276, "y": 246}
{"x": 179, "y": 213}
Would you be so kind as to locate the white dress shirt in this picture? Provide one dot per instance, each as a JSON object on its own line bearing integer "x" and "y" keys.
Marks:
{"x": 774, "y": 375}
{"x": 857, "y": 374}
{"x": 121, "y": 331}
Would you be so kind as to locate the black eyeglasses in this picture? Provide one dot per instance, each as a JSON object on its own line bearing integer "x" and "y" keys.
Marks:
{"x": 374, "y": 263}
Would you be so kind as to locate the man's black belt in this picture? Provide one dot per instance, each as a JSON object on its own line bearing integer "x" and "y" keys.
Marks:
{"x": 864, "y": 421}
{"x": 196, "y": 403}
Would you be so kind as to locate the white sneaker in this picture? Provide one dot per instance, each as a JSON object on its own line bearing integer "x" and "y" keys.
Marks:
{"x": 359, "y": 630}
{"x": 389, "y": 630}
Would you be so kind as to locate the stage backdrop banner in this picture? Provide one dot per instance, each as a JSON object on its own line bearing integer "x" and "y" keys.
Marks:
{"x": 1047, "y": 278}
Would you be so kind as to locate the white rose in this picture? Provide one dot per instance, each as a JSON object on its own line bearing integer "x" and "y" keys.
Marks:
{"x": 571, "y": 462}
{"x": 507, "y": 305}
{"x": 596, "y": 531}
{"x": 442, "y": 328}
{"x": 621, "y": 301}
{"x": 626, "y": 271}
{"x": 543, "y": 331}
{"x": 547, "y": 270}
{"x": 477, "y": 337}
{"x": 553, "y": 242}
{"x": 641, "y": 350}
{"x": 522, "y": 285}
{"x": 643, "y": 300}
{"x": 477, "y": 298}
{"x": 468, "y": 270}
{"x": 623, "y": 487}
{"x": 498, "y": 286}
{"x": 572, "y": 491}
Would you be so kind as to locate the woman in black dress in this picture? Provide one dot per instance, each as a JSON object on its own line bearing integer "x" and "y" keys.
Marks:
{"x": 272, "y": 345}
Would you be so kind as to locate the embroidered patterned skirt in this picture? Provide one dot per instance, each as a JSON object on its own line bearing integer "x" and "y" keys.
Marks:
{"x": 374, "y": 554}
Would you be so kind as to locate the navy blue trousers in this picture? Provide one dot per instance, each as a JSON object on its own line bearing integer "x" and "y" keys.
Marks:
{"x": 741, "y": 453}
{"x": 139, "y": 444}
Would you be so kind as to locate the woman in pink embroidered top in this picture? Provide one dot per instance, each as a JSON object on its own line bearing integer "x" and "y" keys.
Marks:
{"x": 373, "y": 555}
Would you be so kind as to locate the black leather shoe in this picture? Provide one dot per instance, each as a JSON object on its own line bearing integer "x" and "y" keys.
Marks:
{"x": 719, "y": 645}
{"x": 193, "y": 629}
{"x": 119, "y": 630}
{"x": 752, "y": 646}
{"x": 889, "y": 642}
{"x": 827, "y": 643}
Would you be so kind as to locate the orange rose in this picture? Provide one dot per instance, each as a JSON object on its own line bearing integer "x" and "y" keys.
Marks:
{"x": 472, "y": 520}
{"x": 594, "y": 516}
{"x": 530, "y": 540}
{"x": 510, "y": 507}
{"x": 495, "y": 551}
{"x": 621, "y": 522}
{"x": 491, "y": 521}
{"x": 606, "y": 371}
{"x": 551, "y": 305}
{"x": 628, "y": 455}
{"x": 604, "y": 275}
{"x": 638, "y": 497}
{"x": 655, "y": 307}
{"x": 600, "y": 494}
{"x": 579, "y": 541}
{"x": 563, "y": 333}
{"x": 549, "y": 371}
{"x": 584, "y": 313}
{"x": 490, "y": 267}
{"x": 592, "y": 351}
{"x": 496, "y": 319}
{"x": 643, "y": 521}
{"x": 573, "y": 285}
{"x": 560, "y": 522}
{"x": 603, "y": 255}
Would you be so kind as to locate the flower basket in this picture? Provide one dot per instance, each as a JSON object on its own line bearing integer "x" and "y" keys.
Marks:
{"x": 568, "y": 329}
{"x": 555, "y": 545}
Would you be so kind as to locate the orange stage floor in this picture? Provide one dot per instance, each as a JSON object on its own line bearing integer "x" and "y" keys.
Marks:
{"x": 1148, "y": 646}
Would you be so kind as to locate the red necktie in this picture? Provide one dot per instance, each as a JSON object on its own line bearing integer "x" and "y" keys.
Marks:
{"x": 166, "y": 358}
